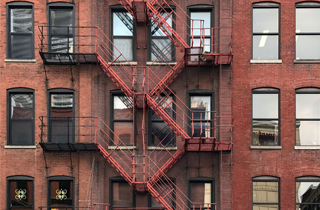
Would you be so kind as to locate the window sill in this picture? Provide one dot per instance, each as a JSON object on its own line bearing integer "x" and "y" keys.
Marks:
{"x": 122, "y": 147}
{"x": 20, "y": 60}
{"x": 306, "y": 61}
{"x": 123, "y": 63}
{"x": 161, "y": 148}
{"x": 307, "y": 147}
{"x": 266, "y": 147}
{"x": 160, "y": 64}
{"x": 266, "y": 61}
{"x": 20, "y": 147}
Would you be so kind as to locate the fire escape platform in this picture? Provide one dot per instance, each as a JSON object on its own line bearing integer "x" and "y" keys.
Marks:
{"x": 68, "y": 147}
{"x": 206, "y": 145}
{"x": 50, "y": 58}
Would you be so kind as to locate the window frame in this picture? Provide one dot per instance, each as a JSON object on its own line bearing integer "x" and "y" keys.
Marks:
{"x": 306, "y": 179}
{"x": 266, "y": 90}
{"x": 60, "y": 178}
{"x": 266, "y": 179}
{"x": 60, "y": 91}
{"x": 120, "y": 8}
{"x": 9, "y": 121}
{"x": 202, "y": 180}
{"x": 113, "y": 180}
{"x": 267, "y": 5}
{"x": 12, "y": 5}
{"x": 18, "y": 178}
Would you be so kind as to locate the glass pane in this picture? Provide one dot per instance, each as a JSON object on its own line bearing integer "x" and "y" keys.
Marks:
{"x": 305, "y": 192}
{"x": 207, "y": 44}
{"x": 61, "y": 193}
{"x": 161, "y": 47}
{"x": 124, "y": 130}
{"x": 122, "y": 108}
{"x": 62, "y": 44}
{"x": 161, "y": 133}
{"x": 307, "y": 20}
{"x": 156, "y": 31}
{"x": 61, "y": 105}
{"x": 122, "y": 24}
{"x": 125, "y": 47}
{"x": 200, "y": 193}
{"x": 307, "y": 106}
{"x": 200, "y": 107}
{"x": 164, "y": 188}
{"x": 265, "y": 133}
{"x": 265, "y": 47}
{"x": 21, "y": 20}
{"x": 265, "y": 207}
{"x": 196, "y": 16}
{"x": 61, "y": 130}
{"x": 21, "y": 132}
{"x": 61, "y": 17}
{"x": 166, "y": 103}
{"x": 21, "y": 194}
{"x": 307, "y": 132}
{"x": 265, "y": 192}
{"x": 205, "y": 131}
{"x": 21, "y": 106}
{"x": 265, "y": 106}
{"x": 22, "y": 46}
{"x": 122, "y": 195}
{"x": 307, "y": 47}
{"x": 261, "y": 24}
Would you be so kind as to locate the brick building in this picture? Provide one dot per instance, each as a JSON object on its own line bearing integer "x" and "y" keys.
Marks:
{"x": 275, "y": 95}
{"x": 126, "y": 103}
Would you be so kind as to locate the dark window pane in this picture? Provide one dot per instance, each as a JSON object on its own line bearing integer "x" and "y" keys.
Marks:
{"x": 125, "y": 47}
{"x": 265, "y": 192}
{"x": 200, "y": 192}
{"x": 307, "y": 46}
{"x": 307, "y": 132}
{"x": 62, "y": 44}
{"x": 265, "y": 106}
{"x": 61, "y": 17}
{"x": 161, "y": 47}
{"x": 122, "y": 194}
{"x": 122, "y": 24}
{"x": 62, "y": 130}
{"x": 164, "y": 188}
{"x": 22, "y": 46}
{"x": 161, "y": 133}
{"x": 21, "y": 194}
{"x": 265, "y": 132}
{"x": 261, "y": 24}
{"x": 21, "y": 20}
{"x": 21, "y": 106}
{"x": 61, "y": 193}
{"x": 307, "y": 192}
{"x": 21, "y": 132}
{"x": 307, "y": 20}
{"x": 124, "y": 130}
{"x": 204, "y": 131}
{"x": 265, "y": 47}
{"x": 156, "y": 31}
{"x": 307, "y": 106}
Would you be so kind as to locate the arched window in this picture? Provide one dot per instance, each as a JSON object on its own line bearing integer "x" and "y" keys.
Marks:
{"x": 307, "y": 192}
{"x": 201, "y": 192}
{"x": 265, "y": 192}
{"x": 60, "y": 192}
{"x": 20, "y": 194}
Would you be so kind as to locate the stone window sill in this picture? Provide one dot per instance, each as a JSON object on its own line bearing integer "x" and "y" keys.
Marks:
{"x": 122, "y": 147}
{"x": 160, "y": 64}
{"x": 20, "y": 147}
{"x": 306, "y": 61}
{"x": 266, "y": 61}
{"x": 307, "y": 147}
{"x": 161, "y": 148}
{"x": 123, "y": 63}
{"x": 20, "y": 60}
{"x": 266, "y": 147}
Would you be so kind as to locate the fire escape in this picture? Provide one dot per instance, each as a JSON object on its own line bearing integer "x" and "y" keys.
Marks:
{"x": 148, "y": 87}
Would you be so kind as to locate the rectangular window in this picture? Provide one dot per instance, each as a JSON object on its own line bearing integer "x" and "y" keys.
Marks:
{"x": 307, "y": 30}
{"x": 307, "y": 193}
{"x": 20, "y": 30}
{"x": 121, "y": 195}
{"x": 265, "y": 31}
{"x": 122, "y": 35}
{"x": 265, "y": 193}
{"x": 20, "y": 194}
{"x": 122, "y": 120}
{"x": 201, "y": 192}
{"x": 60, "y": 194}
{"x": 61, "y": 117}
{"x": 265, "y": 117}
{"x": 308, "y": 116}
{"x": 21, "y": 117}
{"x": 201, "y": 115}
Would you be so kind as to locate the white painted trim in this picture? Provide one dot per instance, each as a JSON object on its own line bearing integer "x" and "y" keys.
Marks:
{"x": 266, "y": 147}
{"x": 20, "y": 60}
{"x": 161, "y": 148}
{"x": 307, "y": 147}
{"x": 306, "y": 61}
{"x": 20, "y": 147}
{"x": 123, "y": 63}
{"x": 266, "y": 61}
{"x": 160, "y": 64}
{"x": 122, "y": 147}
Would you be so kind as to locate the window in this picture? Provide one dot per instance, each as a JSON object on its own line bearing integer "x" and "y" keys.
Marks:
{"x": 307, "y": 30}
{"x": 122, "y": 119}
{"x": 61, "y": 192}
{"x": 201, "y": 192}
{"x": 265, "y": 117}
{"x": 201, "y": 115}
{"x": 201, "y": 12}
{"x": 20, "y": 193}
{"x": 61, "y": 116}
{"x": 20, "y": 116}
{"x": 161, "y": 47}
{"x": 20, "y": 30}
{"x": 122, "y": 31}
{"x": 164, "y": 187}
{"x": 61, "y": 28}
{"x": 307, "y": 193}
{"x": 265, "y": 31}
{"x": 121, "y": 193}
{"x": 265, "y": 193}
{"x": 308, "y": 116}
{"x": 161, "y": 133}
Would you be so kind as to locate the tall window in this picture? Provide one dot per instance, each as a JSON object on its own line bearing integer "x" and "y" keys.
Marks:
{"x": 307, "y": 193}
{"x": 20, "y": 193}
{"x": 122, "y": 119}
{"x": 265, "y": 193}
{"x": 201, "y": 192}
{"x": 307, "y": 30}
{"x": 20, "y": 116}
{"x": 121, "y": 194}
{"x": 61, "y": 116}
{"x": 20, "y": 30}
{"x": 201, "y": 115}
{"x": 204, "y": 12}
{"x": 61, "y": 27}
{"x": 122, "y": 34}
{"x": 161, "y": 48}
{"x": 61, "y": 192}
{"x": 308, "y": 116}
{"x": 265, "y": 117}
{"x": 265, "y": 31}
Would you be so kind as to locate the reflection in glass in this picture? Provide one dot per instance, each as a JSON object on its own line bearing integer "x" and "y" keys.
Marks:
{"x": 124, "y": 130}
{"x": 161, "y": 133}
{"x": 265, "y": 132}
{"x": 265, "y": 192}
{"x": 122, "y": 195}
{"x": 307, "y": 195}
{"x": 200, "y": 192}
{"x": 265, "y": 207}
{"x": 265, "y": 106}
{"x": 124, "y": 46}
{"x": 21, "y": 20}
{"x": 122, "y": 24}
{"x": 121, "y": 111}
{"x": 307, "y": 46}
{"x": 307, "y": 132}
{"x": 161, "y": 47}
{"x": 21, "y": 194}
{"x": 265, "y": 47}
{"x": 201, "y": 107}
